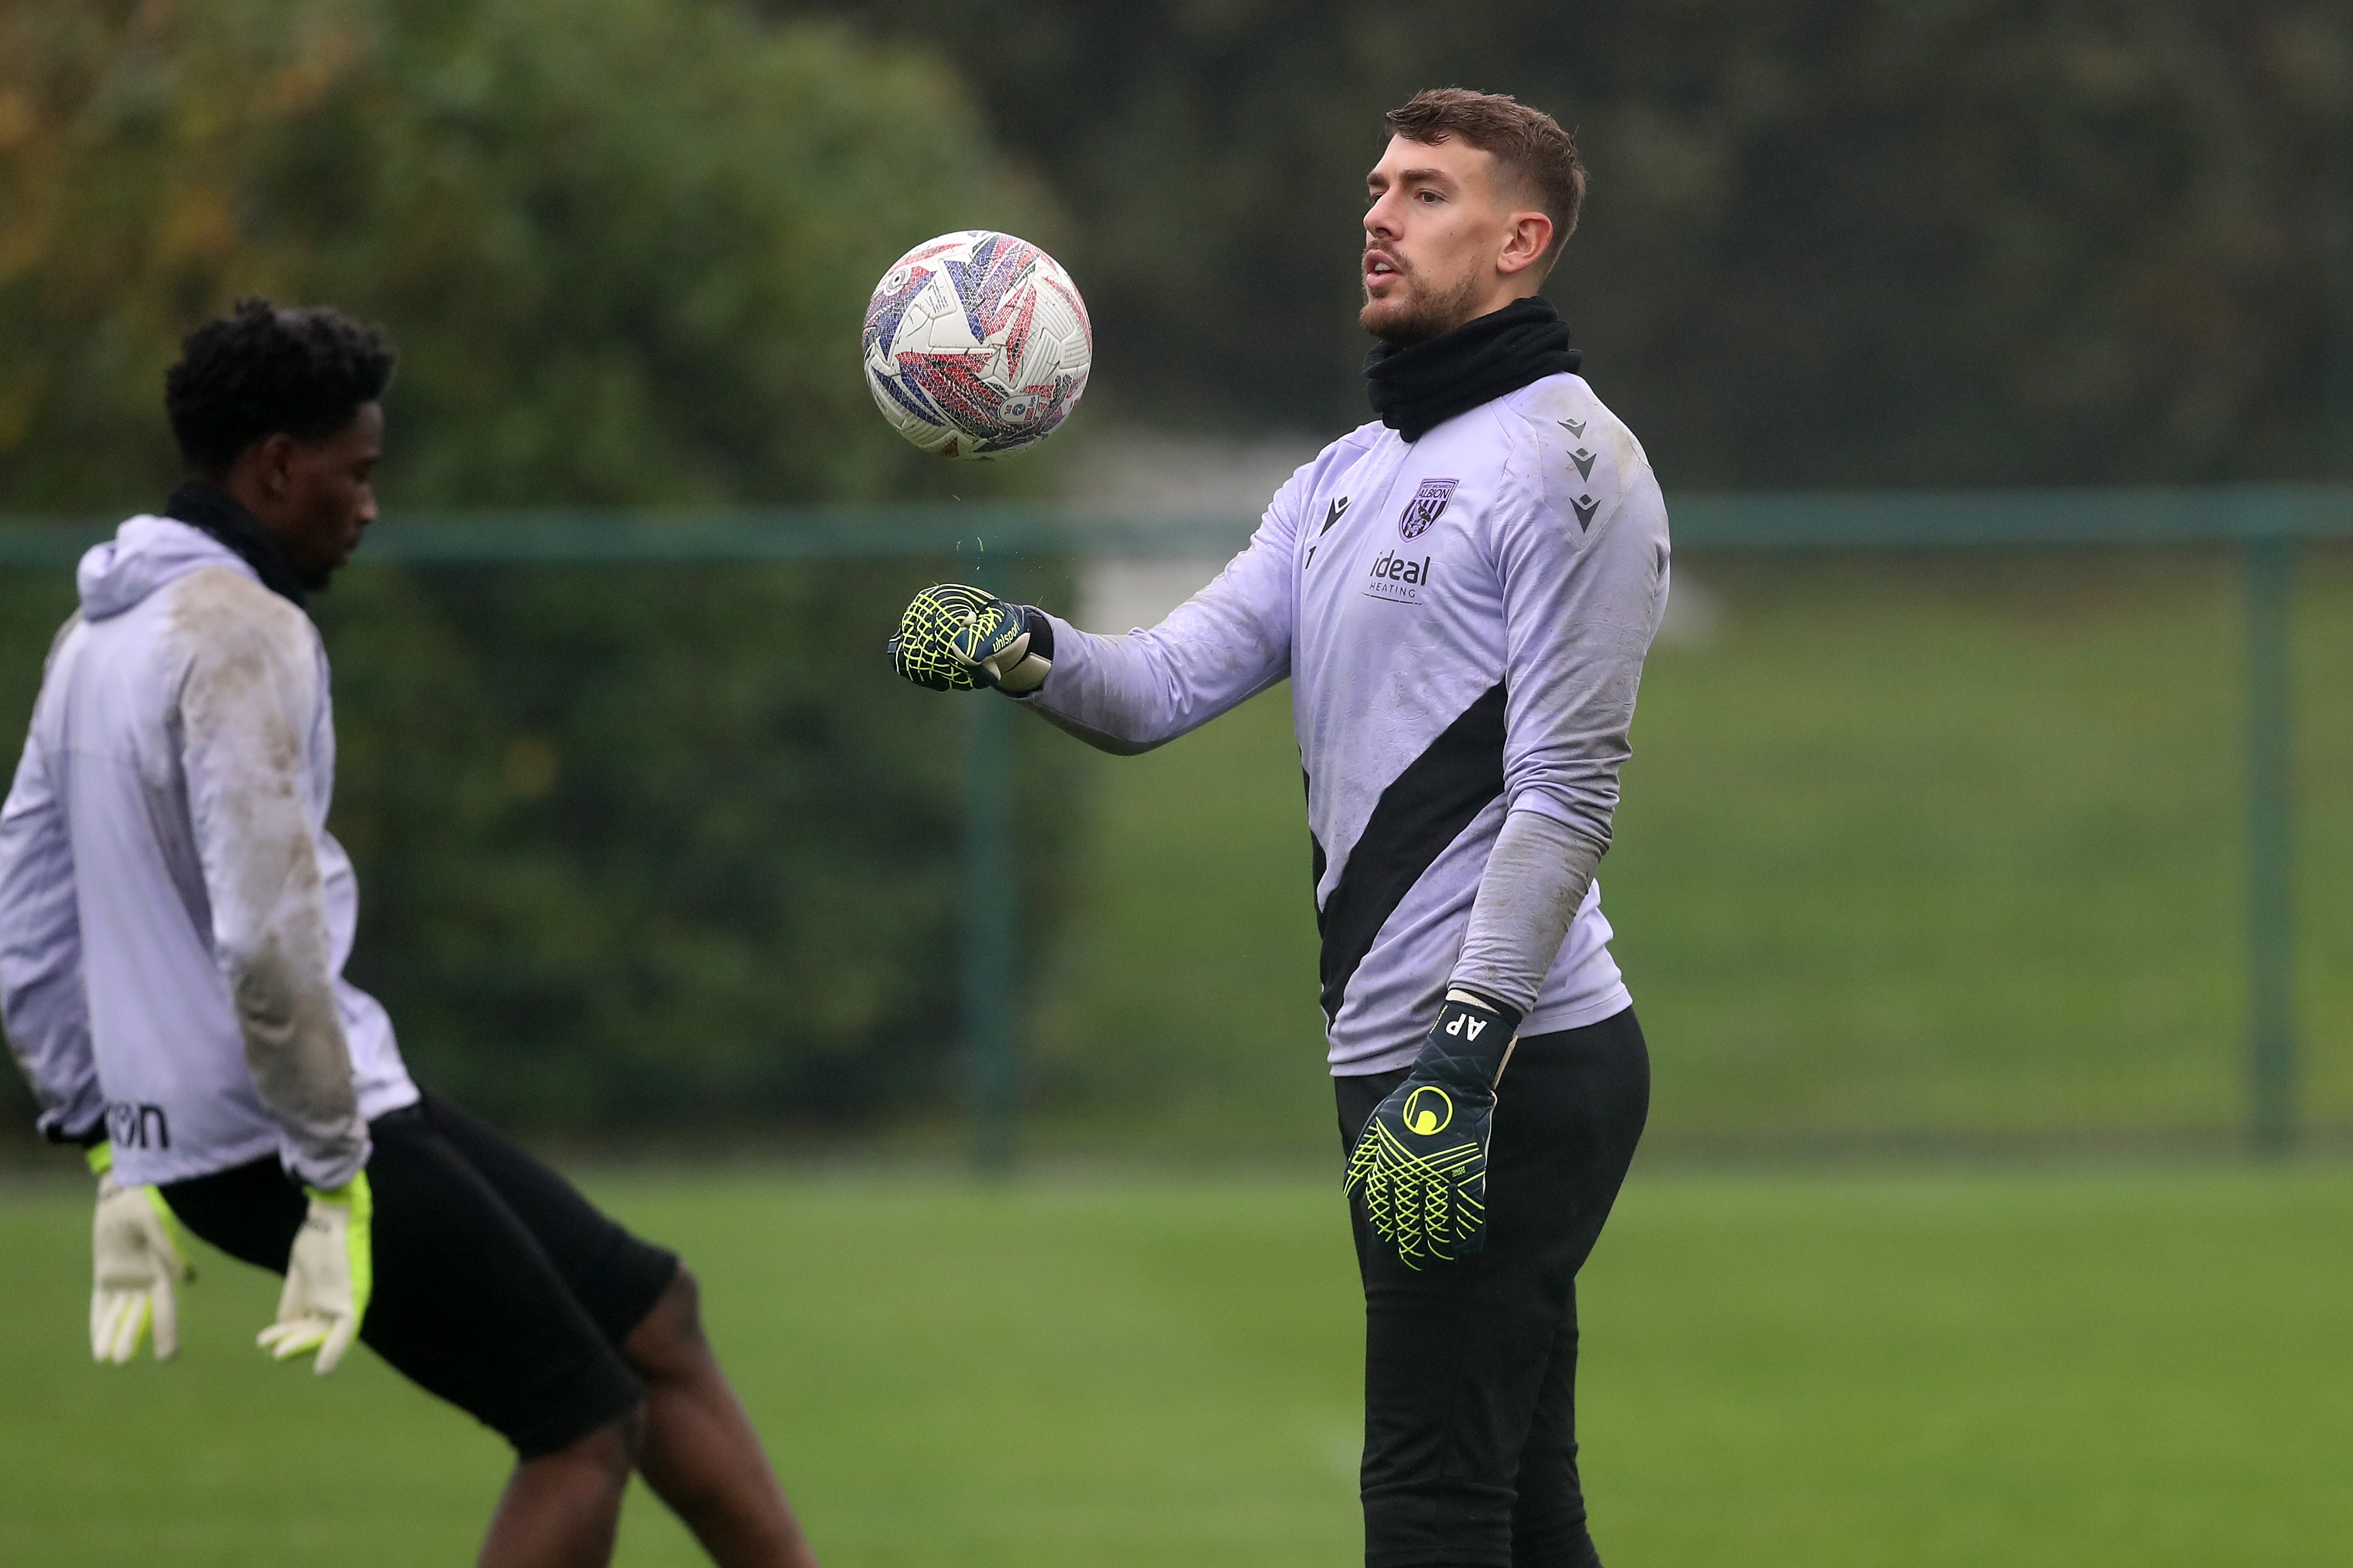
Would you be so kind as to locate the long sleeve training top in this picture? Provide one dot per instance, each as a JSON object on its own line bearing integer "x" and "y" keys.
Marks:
{"x": 174, "y": 916}
{"x": 1463, "y": 619}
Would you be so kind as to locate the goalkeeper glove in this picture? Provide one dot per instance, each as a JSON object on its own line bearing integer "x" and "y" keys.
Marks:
{"x": 328, "y": 1278}
{"x": 135, "y": 1256}
{"x": 955, "y": 638}
{"x": 1419, "y": 1168}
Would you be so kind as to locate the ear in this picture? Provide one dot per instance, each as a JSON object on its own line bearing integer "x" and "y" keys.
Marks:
{"x": 1526, "y": 236}
{"x": 273, "y": 463}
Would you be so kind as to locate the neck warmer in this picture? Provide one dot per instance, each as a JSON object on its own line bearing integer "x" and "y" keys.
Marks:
{"x": 1417, "y": 388}
{"x": 214, "y": 510}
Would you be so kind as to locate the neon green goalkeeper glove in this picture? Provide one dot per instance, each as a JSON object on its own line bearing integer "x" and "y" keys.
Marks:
{"x": 955, "y": 638}
{"x": 328, "y": 1278}
{"x": 1419, "y": 1167}
{"x": 135, "y": 1256}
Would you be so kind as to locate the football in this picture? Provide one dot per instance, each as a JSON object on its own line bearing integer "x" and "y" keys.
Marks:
{"x": 977, "y": 344}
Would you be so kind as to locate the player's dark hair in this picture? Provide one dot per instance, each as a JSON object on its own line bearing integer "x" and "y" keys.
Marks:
{"x": 1527, "y": 142}
{"x": 262, "y": 371}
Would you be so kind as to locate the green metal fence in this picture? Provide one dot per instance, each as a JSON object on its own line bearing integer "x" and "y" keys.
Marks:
{"x": 2264, "y": 525}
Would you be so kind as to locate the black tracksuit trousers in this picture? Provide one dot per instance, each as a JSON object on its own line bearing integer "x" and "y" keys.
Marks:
{"x": 1471, "y": 1366}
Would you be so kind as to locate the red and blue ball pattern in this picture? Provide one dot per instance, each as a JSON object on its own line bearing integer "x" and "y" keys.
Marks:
{"x": 975, "y": 344}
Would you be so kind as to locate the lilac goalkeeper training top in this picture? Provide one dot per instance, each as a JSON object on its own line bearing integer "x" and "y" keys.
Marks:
{"x": 1464, "y": 620}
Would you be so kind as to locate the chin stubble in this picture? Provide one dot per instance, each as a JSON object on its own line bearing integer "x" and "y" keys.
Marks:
{"x": 1422, "y": 317}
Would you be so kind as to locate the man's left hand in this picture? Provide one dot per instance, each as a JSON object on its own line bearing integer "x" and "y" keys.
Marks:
{"x": 328, "y": 1277}
{"x": 1419, "y": 1168}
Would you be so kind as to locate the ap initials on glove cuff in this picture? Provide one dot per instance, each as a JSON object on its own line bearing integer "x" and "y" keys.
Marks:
{"x": 1419, "y": 1171}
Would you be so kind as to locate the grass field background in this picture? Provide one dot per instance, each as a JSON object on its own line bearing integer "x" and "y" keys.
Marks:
{"x": 2052, "y": 1369}
{"x": 1939, "y": 853}
{"x": 1914, "y": 852}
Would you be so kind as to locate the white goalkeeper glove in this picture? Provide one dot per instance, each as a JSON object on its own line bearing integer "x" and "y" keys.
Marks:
{"x": 135, "y": 1256}
{"x": 328, "y": 1278}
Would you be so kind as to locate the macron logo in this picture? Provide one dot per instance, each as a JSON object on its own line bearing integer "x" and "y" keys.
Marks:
{"x": 1339, "y": 509}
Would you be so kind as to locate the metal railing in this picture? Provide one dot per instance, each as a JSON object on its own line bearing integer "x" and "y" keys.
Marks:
{"x": 2264, "y": 524}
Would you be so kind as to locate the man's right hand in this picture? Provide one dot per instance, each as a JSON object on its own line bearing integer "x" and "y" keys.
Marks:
{"x": 956, "y": 639}
{"x": 135, "y": 1257}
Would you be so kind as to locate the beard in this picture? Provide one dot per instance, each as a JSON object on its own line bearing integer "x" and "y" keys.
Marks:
{"x": 1419, "y": 313}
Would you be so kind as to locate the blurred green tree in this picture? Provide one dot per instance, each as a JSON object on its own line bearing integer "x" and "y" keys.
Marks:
{"x": 1830, "y": 242}
{"x": 665, "y": 846}
{"x": 622, "y": 243}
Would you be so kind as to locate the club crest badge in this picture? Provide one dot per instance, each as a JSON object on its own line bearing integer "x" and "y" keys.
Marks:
{"x": 1427, "y": 505}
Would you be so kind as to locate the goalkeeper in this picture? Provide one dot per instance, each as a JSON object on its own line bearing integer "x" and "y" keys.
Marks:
{"x": 1462, "y": 594}
{"x": 174, "y": 923}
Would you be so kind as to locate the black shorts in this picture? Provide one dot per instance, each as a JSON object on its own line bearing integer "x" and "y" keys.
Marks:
{"x": 498, "y": 1287}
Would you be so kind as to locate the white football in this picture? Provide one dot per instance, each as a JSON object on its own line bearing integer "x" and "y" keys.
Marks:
{"x": 977, "y": 344}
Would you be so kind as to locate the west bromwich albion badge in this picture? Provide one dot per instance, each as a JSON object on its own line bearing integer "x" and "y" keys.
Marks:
{"x": 1424, "y": 508}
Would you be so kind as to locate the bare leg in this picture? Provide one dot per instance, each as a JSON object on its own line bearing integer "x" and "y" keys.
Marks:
{"x": 701, "y": 1456}
{"x": 561, "y": 1510}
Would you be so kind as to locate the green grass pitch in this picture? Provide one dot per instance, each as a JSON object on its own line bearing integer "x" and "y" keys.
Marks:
{"x": 2058, "y": 1368}
{"x": 1931, "y": 848}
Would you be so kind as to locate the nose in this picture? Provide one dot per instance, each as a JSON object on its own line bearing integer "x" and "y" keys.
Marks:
{"x": 366, "y": 512}
{"x": 1380, "y": 219}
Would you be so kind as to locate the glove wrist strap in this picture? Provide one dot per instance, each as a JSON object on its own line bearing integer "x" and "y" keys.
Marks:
{"x": 1036, "y": 661}
{"x": 1471, "y": 1041}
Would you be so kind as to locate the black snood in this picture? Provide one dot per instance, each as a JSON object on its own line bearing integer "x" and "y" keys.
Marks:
{"x": 1421, "y": 386}
{"x": 217, "y": 512}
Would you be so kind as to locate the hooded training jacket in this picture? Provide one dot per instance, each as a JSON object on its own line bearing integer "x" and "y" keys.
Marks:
{"x": 1463, "y": 619}
{"x": 174, "y": 916}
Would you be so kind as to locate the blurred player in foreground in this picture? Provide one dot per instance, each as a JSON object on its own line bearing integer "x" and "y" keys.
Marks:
{"x": 174, "y": 918}
{"x": 1462, "y": 594}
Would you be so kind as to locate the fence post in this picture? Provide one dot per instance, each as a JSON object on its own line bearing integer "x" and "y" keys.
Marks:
{"x": 989, "y": 914}
{"x": 2269, "y": 566}
{"x": 2337, "y": 437}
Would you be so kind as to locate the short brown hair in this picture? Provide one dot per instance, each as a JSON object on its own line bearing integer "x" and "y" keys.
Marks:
{"x": 1528, "y": 142}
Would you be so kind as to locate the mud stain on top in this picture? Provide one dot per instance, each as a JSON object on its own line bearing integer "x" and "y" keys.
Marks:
{"x": 252, "y": 695}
